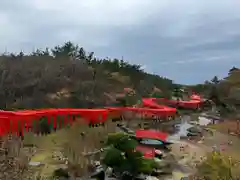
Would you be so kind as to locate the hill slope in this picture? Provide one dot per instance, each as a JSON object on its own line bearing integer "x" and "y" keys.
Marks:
{"x": 67, "y": 76}
{"x": 224, "y": 92}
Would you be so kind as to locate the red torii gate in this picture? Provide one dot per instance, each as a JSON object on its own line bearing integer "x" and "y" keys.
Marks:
{"x": 17, "y": 122}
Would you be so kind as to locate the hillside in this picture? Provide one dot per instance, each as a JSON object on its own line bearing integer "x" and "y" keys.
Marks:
{"x": 224, "y": 92}
{"x": 232, "y": 84}
{"x": 68, "y": 76}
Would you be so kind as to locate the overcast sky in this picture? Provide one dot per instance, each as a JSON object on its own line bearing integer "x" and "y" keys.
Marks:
{"x": 188, "y": 41}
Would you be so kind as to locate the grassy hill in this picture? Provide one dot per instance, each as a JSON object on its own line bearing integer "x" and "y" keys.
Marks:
{"x": 68, "y": 76}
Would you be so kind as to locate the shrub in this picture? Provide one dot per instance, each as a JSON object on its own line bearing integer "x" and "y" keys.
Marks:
{"x": 122, "y": 156}
{"x": 216, "y": 167}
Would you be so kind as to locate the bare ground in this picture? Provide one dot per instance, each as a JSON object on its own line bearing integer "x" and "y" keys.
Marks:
{"x": 195, "y": 152}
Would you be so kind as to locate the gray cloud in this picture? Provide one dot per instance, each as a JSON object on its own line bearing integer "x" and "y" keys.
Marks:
{"x": 188, "y": 40}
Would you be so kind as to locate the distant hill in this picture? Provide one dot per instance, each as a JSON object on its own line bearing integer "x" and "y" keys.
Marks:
{"x": 68, "y": 76}
{"x": 224, "y": 91}
{"x": 231, "y": 84}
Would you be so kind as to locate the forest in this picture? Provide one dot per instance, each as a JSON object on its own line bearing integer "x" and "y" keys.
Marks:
{"x": 68, "y": 76}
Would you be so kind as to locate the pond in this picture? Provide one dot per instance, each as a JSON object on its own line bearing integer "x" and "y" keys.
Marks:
{"x": 151, "y": 142}
{"x": 185, "y": 125}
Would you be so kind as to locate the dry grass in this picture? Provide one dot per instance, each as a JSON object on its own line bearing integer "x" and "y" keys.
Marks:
{"x": 221, "y": 139}
{"x": 69, "y": 145}
{"x": 13, "y": 158}
{"x": 226, "y": 126}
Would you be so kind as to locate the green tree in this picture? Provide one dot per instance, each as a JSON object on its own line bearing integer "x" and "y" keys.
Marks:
{"x": 215, "y": 80}
{"x": 121, "y": 155}
{"x": 66, "y": 50}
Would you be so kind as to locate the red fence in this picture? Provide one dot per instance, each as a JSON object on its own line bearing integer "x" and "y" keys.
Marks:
{"x": 17, "y": 122}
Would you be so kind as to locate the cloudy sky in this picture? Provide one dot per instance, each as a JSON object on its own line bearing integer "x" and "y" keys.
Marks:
{"x": 188, "y": 41}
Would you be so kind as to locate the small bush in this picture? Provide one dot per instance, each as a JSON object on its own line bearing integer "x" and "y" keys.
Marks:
{"x": 60, "y": 173}
{"x": 216, "y": 167}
